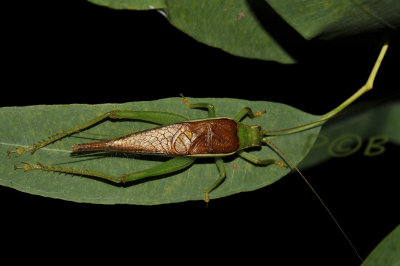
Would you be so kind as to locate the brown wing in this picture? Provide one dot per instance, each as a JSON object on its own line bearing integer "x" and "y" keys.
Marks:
{"x": 217, "y": 136}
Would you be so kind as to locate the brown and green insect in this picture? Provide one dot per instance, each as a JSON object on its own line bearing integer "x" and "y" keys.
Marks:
{"x": 187, "y": 140}
{"x": 177, "y": 137}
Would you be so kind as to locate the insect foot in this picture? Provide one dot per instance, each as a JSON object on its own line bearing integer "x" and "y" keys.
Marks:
{"x": 281, "y": 164}
{"x": 185, "y": 100}
{"x": 20, "y": 150}
{"x": 28, "y": 167}
{"x": 260, "y": 113}
{"x": 206, "y": 197}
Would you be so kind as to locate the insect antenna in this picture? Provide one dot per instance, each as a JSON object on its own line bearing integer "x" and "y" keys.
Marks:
{"x": 294, "y": 167}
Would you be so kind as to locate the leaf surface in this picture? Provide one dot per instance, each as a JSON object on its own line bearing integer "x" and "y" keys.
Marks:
{"x": 387, "y": 252}
{"x": 333, "y": 18}
{"x": 231, "y": 25}
{"x": 131, "y": 4}
{"x": 261, "y": 29}
{"x": 24, "y": 126}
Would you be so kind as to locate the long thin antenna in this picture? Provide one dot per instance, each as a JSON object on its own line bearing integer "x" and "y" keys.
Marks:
{"x": 293, "y": 166}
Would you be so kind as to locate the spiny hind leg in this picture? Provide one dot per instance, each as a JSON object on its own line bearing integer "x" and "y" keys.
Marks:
{"x": 67, "y": 170}
{"x": 170, "y": 166}
{"x": 210, "y": 107}
{"x": 247, "y": 111}
{"x": 149, "y": 116}
{"x": 254, "y": 159}
{"x": 64, "y": 133}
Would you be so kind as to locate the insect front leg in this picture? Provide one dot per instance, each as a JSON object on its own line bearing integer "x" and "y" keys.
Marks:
{"x": 222, "y": 175}
{"x": 208, "y": 106}
{"x": 254, "y": 159}
{"x": 247, "y": 111}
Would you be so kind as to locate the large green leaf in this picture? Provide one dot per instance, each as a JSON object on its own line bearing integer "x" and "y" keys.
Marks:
{"x": 260, "y": 28}
{"x": 332, "y": 18}
{"x": 387, "y": 252}
{"x": 131, "y": 4}
{"x": 23, "y": 126}
{"x": 231, "y": 25}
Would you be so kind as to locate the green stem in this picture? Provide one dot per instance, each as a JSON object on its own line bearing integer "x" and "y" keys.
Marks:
{"x": 368, "y": 86}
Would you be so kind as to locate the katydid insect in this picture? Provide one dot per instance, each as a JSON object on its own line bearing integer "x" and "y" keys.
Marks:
{"x": 187, "y": 140}
{"x": 177, "y": 137}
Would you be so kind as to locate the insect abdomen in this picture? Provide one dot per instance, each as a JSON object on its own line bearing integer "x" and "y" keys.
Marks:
{"x": 214, "y": 136}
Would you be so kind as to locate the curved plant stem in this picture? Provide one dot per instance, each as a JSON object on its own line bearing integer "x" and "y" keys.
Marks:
{"x": 368, "y": 86}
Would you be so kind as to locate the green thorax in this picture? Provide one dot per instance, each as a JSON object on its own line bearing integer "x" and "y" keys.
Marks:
{"x": 249, "y": 136}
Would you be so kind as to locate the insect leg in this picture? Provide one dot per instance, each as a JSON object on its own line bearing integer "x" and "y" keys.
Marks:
{"x": 161, "y": 118}
{"x": 222, "y": 175}
{"x": 209, "y": 106}
{"x": 247, "y": 111}
{"x": 150, "y": 116}
{"x": 172, "y": 165}
{"x": 254, "y": 159}
{"x": 67, "y": 170}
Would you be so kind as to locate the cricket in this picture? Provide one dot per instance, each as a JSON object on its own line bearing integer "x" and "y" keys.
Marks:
{"x": 186, "y": 140}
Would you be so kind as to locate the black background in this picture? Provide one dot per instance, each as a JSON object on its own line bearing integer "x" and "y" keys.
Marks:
{"x": 62, "y": 52}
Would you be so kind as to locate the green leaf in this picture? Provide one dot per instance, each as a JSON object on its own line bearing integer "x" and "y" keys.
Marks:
{"x": 387, "y": 252}
{"x": 353, "y": 130}
{"x": 255, "y": 28}
{"x": 24, "y": 126}
{"x": 131, "y": 4}
{"x": 231, "y": 25}
{"x": 333, "y": 18}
